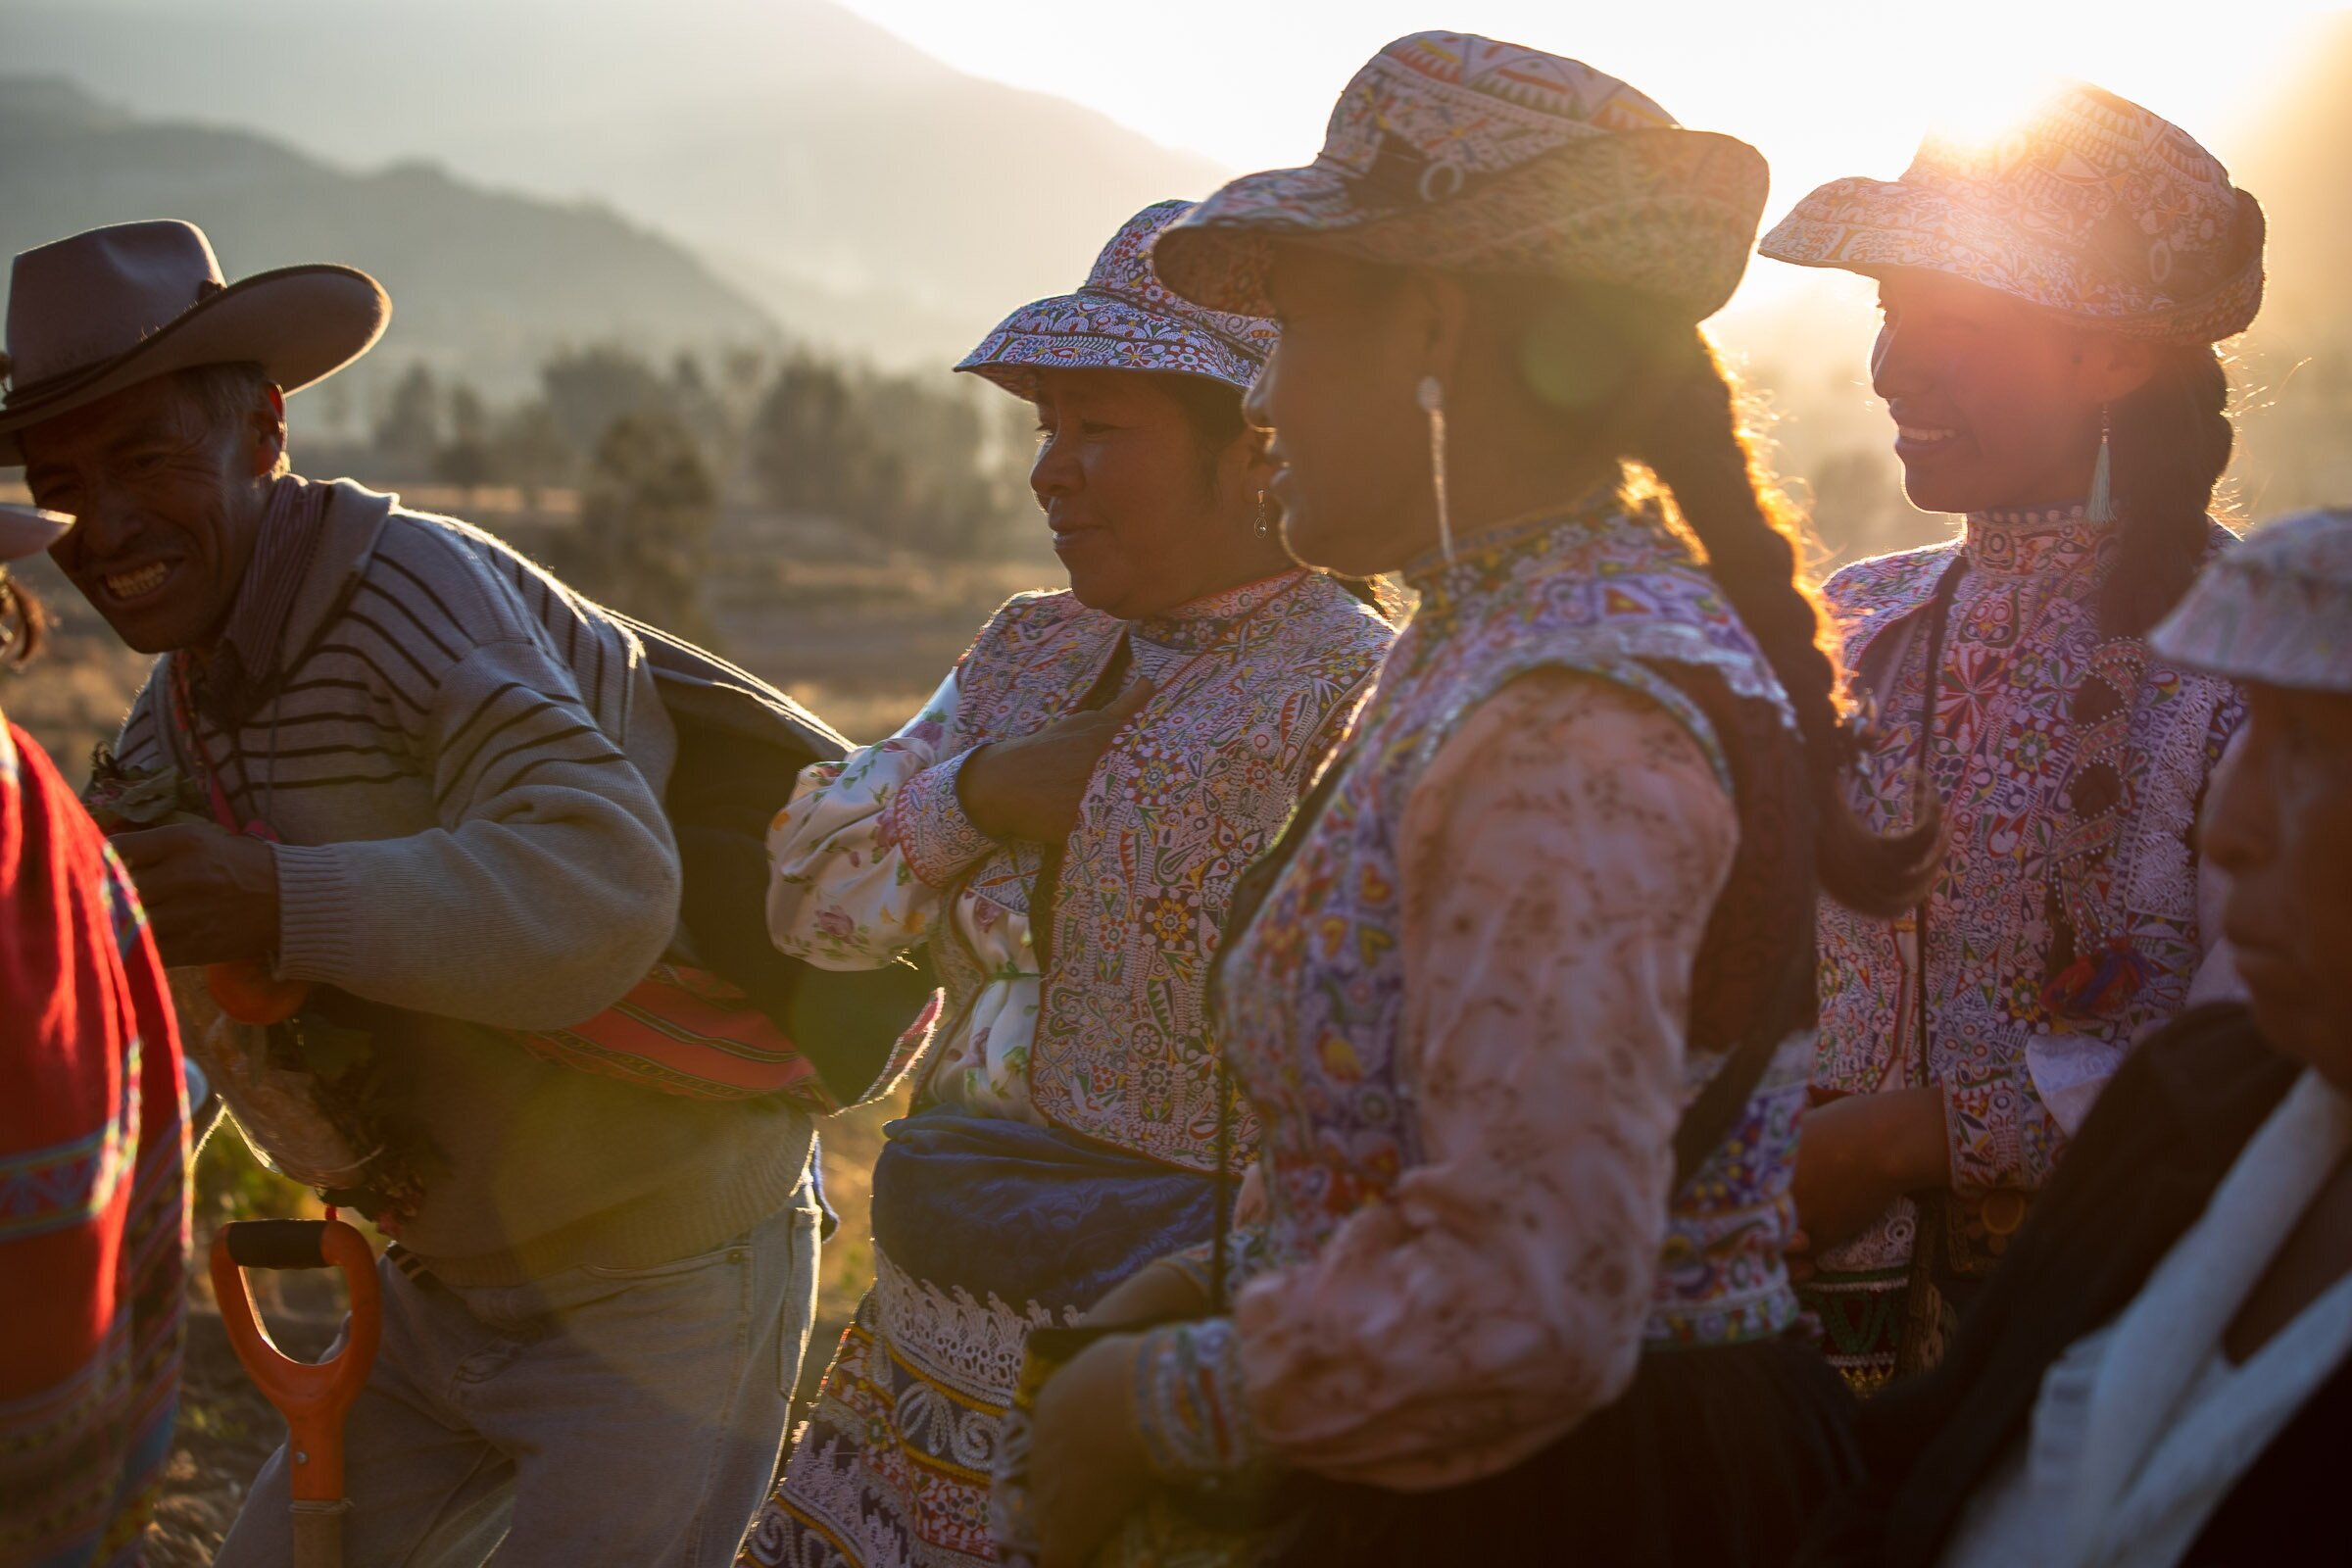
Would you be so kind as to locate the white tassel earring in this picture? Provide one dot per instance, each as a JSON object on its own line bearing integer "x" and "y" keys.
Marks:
{"x": 1432, "y": 398}
{"x": 2100, "y": 508}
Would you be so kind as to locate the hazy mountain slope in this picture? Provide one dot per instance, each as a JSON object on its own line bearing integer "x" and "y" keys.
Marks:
{"x": 2296, "y": 364}
{"x": 483, "y": 282}
{"x": 874, "y": 196}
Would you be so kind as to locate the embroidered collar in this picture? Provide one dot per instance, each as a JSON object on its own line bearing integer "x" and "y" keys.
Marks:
{"x": 2031, "y": 539}
{"x": 1487, "y": 562}
{"x": 1213, "y": 618}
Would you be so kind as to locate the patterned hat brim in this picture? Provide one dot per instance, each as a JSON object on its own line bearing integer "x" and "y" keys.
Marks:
{"x": 1095, "y": 330}
{"x": 1668, "y": 211}
{"x": 1875, "y": 226}
{"x": 2258, "y": 613}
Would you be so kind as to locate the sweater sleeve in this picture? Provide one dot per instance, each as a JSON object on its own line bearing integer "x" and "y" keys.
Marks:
{"x": 1560, "y": 860}
{"x": 863, "y": 859}
{"x": 548, "y": 889}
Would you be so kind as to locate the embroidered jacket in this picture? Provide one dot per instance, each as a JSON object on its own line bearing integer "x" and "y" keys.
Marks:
{"x": 875, "y": 856}
{"x": 2065, "y": 923}
{"x": 1462, "y": 1014}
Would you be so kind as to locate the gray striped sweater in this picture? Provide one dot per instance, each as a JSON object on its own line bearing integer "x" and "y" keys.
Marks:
{"x": 463, "y": 763}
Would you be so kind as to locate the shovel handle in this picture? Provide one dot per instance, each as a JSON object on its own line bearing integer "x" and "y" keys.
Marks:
{"x": 313, "y": 1396}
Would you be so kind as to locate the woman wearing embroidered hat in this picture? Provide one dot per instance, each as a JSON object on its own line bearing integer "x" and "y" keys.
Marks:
{"x": 1523, "y": 1010}
{"x": 1060, "y": 826}
{"x": 2050, "y": 301}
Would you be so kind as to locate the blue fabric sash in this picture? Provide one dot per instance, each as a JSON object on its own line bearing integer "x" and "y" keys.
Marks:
{"x": 1027, "y": 1213}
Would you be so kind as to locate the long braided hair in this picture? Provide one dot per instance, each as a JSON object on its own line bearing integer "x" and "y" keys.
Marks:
{"x": 1648, "y": 389}
{"x": 1700, "y": 448}
{"x": 22, "y": 622}
{"x": 2170, "y": 443}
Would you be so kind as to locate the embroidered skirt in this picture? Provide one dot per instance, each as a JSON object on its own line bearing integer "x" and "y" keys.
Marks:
{"x": 983, "y": 1230}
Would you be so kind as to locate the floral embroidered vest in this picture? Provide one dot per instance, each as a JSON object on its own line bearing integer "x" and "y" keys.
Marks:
{"x": 2064, "y": 921}
{"x": 1184, "y": 799}
{"x": 1311, "y": 999}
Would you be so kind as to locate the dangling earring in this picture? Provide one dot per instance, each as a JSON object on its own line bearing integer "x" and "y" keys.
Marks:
{"x": 2101, "y": 505}
{"x": 1265, "y": 525}
{"x": 1432, "y": 398}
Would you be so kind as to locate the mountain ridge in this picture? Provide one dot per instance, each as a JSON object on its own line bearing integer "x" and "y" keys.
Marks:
{"x": 877, "y": 200}
{"x": 484, "y": 282}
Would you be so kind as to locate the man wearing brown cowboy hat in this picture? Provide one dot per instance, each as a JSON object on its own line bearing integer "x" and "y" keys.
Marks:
{"x": 441, "y": 775}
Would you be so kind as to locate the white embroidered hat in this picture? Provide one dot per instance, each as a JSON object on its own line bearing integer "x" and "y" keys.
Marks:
{"x": 2276, "y": 609}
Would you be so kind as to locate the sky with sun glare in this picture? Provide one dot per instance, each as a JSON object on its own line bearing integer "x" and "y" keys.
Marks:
{"x": 1822, "y": 89}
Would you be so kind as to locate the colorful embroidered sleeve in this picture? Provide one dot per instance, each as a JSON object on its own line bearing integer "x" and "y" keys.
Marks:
{"x": 859, "y": 863}
{"x": 1559, "y": 860}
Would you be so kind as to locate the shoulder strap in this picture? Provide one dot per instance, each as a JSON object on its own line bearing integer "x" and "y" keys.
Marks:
{"x": 698, "y": 686}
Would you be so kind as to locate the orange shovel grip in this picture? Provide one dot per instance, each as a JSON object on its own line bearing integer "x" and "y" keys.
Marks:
{"x": 311, "y": 1396}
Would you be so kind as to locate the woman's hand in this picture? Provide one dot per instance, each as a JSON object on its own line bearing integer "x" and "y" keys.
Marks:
{"x": 1030, "y": 788}
{"x": 1157, "y": 1292}
{"x": 1856, "y": 1156}
{"x": 1087, "y": 1465}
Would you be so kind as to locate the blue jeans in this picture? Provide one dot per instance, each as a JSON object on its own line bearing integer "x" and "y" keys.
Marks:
{"x": 621, "y": 1416}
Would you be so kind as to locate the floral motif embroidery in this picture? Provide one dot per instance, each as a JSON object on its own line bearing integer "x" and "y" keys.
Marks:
{"x": 1312, "y": 1005}
{"x": 875, "y": 854}
{"x": 2010, "y": 769}
{"x": 1314, "y": 1009}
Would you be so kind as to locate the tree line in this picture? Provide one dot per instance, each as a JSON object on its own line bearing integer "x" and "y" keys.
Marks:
{"x": 926, "y": 463}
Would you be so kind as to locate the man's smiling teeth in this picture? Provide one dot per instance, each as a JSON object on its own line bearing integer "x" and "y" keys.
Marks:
{"x": 1921, "y": 433}
{"x": 145, "y": 580}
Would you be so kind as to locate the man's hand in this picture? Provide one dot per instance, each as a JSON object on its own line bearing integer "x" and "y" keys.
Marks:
{"x": 211, "y": 894}
{"x": 1030, "y": 789}
{"x": 1855, "y": 1157}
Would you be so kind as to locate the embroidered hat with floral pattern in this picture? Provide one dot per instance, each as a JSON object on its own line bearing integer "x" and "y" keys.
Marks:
{"x": 2092, "y": 207}
{"x": 2274, "y": 608}
{"x": 1457, "y": 152}
{"x": 1123, "y": 317}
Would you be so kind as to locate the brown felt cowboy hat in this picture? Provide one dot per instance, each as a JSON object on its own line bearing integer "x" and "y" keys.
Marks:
{"x": 91, "y": 315}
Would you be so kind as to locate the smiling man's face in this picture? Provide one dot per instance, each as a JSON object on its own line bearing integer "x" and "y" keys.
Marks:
{"x": 166, "y": 496}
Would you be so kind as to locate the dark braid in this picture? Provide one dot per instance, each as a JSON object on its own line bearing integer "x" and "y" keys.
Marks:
{"x": 1693, "y": 438}
{"x": 2171, "y": 442}
{"x": 22, "y": 622}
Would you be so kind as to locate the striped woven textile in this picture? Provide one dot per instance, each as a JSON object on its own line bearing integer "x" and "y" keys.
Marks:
{"x": 93, "y": 1186}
